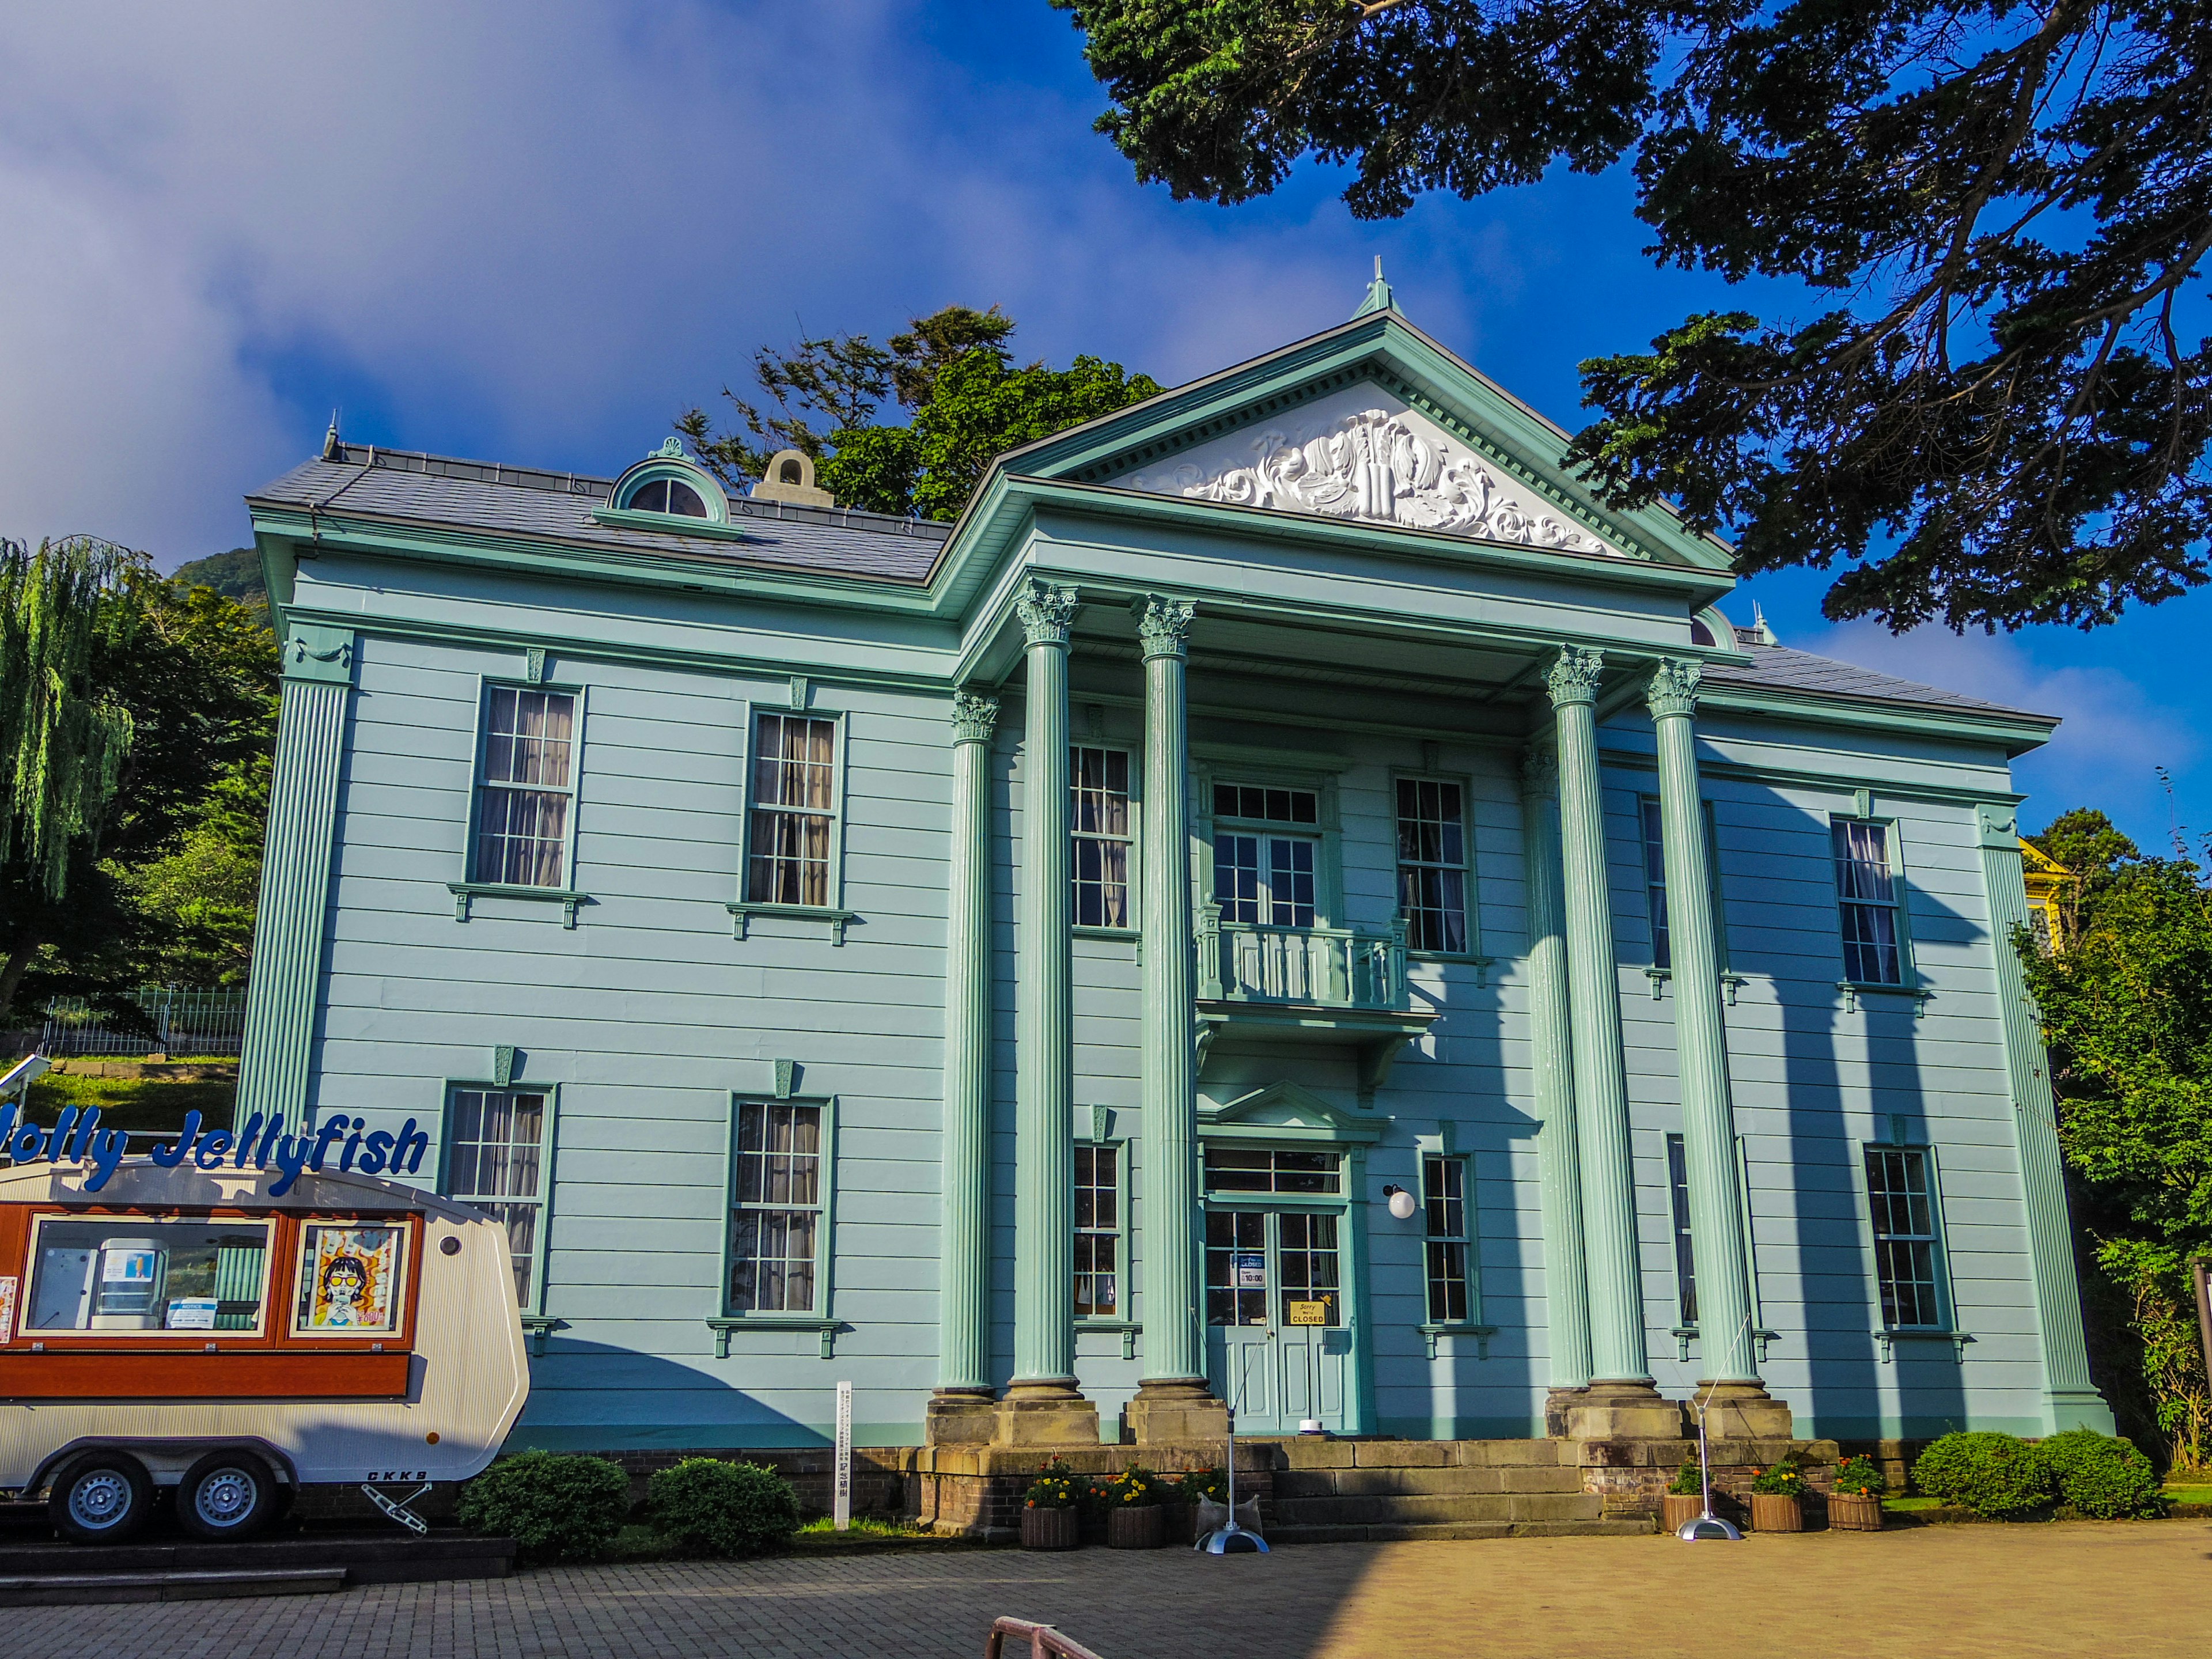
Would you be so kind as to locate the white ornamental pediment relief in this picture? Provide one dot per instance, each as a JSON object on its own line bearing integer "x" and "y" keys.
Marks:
{"x": 1375, "y": 465}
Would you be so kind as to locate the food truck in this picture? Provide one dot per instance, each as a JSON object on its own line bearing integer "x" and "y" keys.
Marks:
{"x": 226, "y": 1319}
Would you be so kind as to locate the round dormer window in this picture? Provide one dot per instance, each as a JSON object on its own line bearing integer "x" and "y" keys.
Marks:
{"x": 668, "y": 496}
{"x": 669, "y": 481}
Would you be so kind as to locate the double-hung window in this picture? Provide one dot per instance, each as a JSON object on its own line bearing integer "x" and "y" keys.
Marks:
{"x": 778, "y": 1208}
{"x": 1264, "y": 876}
{"x": 1900, "y": 1190}
{"x": 525, "y": 787}
{"x": 495, "y": 1157}
{"x": 792, "y": 835}
{"x": 1098, "y": 1233}
{"x": 1098, "y": 780}
{"x": 1867, "y": 902}
{"x": 1685, "y": 1257}
{"x": 1444, "y": 1199}
{"x": 1432, "y": 864}
{"x": 1655, "y": 887}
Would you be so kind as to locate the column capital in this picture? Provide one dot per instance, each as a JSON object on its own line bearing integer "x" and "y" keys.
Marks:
{"x": 1673, "y": 688}
{"x": 1573, "y": 676}
{"x": 1539, "y": 771}
{"x": 1163, "y": 623}
{"x": 974, "y": 717}
{"x": 1045, "y": 611}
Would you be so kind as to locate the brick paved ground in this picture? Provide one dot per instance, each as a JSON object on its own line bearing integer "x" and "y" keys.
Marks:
{"x": 1957, "y": 1592}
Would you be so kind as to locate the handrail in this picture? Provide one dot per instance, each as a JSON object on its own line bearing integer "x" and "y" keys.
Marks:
{"x": 1325, "y": 967}
{"x": 1045, "y": 1641}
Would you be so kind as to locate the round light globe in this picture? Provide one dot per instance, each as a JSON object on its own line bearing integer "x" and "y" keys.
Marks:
{"x": 1402, "y": 1205}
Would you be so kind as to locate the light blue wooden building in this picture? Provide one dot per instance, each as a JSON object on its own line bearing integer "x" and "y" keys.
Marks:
{"x": 1289, "y": 900}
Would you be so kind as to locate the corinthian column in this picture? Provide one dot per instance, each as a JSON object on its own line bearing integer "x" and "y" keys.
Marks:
{"x": 1559, "y": 1148}
{"x": 1621, "y": 1402}
{"x": 961, "y": 1409}
{"x": 1737, "y": 1405}
{"x": 1172, "y": 1403}
{"x": 1043, "y": 1405}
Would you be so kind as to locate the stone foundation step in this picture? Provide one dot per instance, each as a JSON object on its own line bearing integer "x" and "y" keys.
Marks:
{"x": 1425, "y": 1482}
{"x": 72, "y": 1589}
{"x": 1324, "y": 1453}
{"x": 1433, "y": 1509}
{"x": 1406, "y": 1533}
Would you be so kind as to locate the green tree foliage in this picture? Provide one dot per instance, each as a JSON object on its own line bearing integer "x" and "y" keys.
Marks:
{"x": 2127, "y": 1011}
{"x": 235, "y": 575}
{"x": 953, "y": 375}
{"x": 156, "y": 880}
{"x": 1996, "y": 414}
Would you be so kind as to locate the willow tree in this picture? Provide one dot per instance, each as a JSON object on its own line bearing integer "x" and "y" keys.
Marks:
{"x": 64, "y": 737}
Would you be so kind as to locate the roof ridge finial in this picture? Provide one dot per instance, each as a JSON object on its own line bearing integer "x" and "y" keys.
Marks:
{"x": 333, "y": 447}
{"x": 1759, "y": 626}
{"x": 1379, "y": 297}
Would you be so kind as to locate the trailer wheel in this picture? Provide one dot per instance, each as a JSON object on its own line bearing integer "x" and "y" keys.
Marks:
{"x": 226, "y": 1494}
{"x": 103, "y": 1497}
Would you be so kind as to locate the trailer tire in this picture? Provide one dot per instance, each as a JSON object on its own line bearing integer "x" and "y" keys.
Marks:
{"x": 103, "y": 1498}
{"x": 227, "y": 1494}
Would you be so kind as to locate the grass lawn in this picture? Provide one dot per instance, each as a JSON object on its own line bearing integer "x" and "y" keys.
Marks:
{"x": 132, "y": 1102}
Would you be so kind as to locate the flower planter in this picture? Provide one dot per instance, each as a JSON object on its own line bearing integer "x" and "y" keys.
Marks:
{"x": 1681, "y": 1509}
{"x": 1848, "y": 1512}
{"x": 1136, "y": 1527}
{"x": 1771, "y": 1512}
{"x": 1051, "y": 1529}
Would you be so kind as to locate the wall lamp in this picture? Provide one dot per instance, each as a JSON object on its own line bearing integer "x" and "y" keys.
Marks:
{"x": 1402, "y": 1203}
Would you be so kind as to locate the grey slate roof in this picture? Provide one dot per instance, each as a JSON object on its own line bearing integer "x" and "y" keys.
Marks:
{"x": 408, "y": 487}
{"x": 1778, "y": 668}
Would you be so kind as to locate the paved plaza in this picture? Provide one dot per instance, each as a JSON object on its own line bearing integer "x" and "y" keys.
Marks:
{"x": 2080, "y": 1590}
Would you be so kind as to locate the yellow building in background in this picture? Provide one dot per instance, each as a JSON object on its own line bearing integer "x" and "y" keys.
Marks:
{"x": 2047, "y": 882}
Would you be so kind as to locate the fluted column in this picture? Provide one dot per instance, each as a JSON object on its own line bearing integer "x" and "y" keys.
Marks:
{"x": 1173, "y": 1402}
{"x": 2070, "y": 1400}
{"x": 1043, "y": 1404}
{"x": 1725, "y": 1349}
{"x": 275, "y": 1054}
{"x": 1620, "y": 1370}
{"x": 1558, "y": 1149}
{"x": 961, "y": 1409}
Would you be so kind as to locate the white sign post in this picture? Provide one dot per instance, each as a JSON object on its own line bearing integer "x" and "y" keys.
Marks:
{"x": 843, "y": 1514}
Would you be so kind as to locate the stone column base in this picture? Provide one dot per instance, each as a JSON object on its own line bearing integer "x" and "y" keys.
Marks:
{"x": 1741, "y": 1410}
{"x": 1045, "y": 1414}
{"x": 961, "y": 1417}
{"x": 1625, "y": 1411}
{"x": 1557, "y": 1404}
{"x": 1177, "y": 1411}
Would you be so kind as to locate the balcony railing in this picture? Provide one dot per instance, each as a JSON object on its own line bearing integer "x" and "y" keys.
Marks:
{"x": 1307, "y": 966}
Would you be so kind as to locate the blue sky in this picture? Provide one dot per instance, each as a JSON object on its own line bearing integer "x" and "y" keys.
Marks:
{"x": 536, "y": 232}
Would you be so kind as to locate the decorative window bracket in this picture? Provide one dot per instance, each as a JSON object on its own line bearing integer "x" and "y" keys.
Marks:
{"x": 722, "y": 1327}
{"x": 1853, "y": 991}
{"x": 1887, "y": 1338}
{"x": 540, "y": 1326}
{"x": 742, "y": 910}
{"x": 466, "y": 892}
{"x": 1481, "y": 1334}
{"x": 1686, "y": 1334}
{"x": 1731, "y": 984}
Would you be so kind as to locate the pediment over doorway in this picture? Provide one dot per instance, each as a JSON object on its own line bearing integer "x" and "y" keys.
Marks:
{"x": 1285, "y": 1111}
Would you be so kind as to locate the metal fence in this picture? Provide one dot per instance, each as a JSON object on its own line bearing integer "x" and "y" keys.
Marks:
{"x": 184, "y": 1022}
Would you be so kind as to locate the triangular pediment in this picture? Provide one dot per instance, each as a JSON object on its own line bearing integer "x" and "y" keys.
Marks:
{"x": 1374, "y": 422}
{"x": 1290, "y": 1111}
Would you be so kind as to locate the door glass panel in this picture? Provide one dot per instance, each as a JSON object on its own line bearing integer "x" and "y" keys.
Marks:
{"x": 1236, "y": 1267}
{"x": 1309, "y": 1268}
{"x": 1290, "y": 883}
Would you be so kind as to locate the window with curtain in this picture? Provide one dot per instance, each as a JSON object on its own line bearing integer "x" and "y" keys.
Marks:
{"x": 775, "y": 1224}
{"x": 1098, "y": 781}
{"x": 525, "y": 787}
{"x": 1097, "y": 1232}
{"x": 1432, "y": 864}
{"x": 1866, "y": 899}
{"x": 794, "y": 810}
{"x": 495, "y": 1162}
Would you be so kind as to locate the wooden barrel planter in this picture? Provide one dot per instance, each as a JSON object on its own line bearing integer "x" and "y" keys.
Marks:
{"x": 1770, "y": 1512}
{"x": 1136, "y": 1527}
{"x": 1681, "y": 1509}
{"x": 1051, "y": 1529}
{"x": 1853, "y": 1512}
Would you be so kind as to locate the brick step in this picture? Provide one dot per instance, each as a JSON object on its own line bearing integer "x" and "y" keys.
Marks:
{"x": 1425, "y": 1511}
{"x": 1403, "y": 1532}
{"x": 1380, "y": 1483}
{"x": 70, "y": 1590}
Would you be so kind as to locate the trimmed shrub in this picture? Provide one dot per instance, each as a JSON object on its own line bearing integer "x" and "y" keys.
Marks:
{"x": 555, "y": 1506}
{"x": 2101, "y": 1475}
{"x": 704, "y": 1506}
{"x": 1994, "y": 1474}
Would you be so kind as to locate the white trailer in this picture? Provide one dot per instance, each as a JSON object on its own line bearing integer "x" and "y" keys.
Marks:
{"x": 183, "y": 1325}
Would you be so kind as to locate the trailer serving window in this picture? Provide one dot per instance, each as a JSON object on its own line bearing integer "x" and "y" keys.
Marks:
{"x": 130, "y": 1276}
